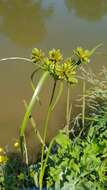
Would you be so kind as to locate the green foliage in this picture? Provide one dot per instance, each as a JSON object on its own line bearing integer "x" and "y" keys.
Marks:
{"x": 14, "y": 174}
{"x": 59, "y": 69}
{"x": 79, "y": 165}
{"x": 75, "y": 164}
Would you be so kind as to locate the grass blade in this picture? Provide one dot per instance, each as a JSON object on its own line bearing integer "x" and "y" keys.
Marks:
{"x": 30, "y": 107}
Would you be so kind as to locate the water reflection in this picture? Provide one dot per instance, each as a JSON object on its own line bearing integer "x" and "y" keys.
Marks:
{"x": 24, "y": 21}
{"x": 68, "y": 4}
{"x": 92, "y": 10}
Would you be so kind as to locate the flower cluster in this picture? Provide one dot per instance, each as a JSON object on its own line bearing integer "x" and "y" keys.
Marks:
{"x": 55, "y": 55}
{"x": 3, "y": 157}
{"x": 37, "y": 55}
{"x": 59, "y": 68}
{"x": 83, "y": 55}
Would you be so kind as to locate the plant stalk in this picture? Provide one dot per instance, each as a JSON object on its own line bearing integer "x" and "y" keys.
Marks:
{"x": 30, "y": 107}
{"x": 45, "y": 133}
{"x": 15, "y": 58}
{"x": 33, "y": 123}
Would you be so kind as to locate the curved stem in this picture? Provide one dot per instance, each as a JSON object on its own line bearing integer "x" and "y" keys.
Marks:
{"x": 30, "y": 107}
{"x": 32, "y": 82}
{"x": 53, "y": 92}
{"x": 15, "y": 58}
{"x": 58, "y": 95}
{"x": 33, "y": 74}
{"x": 33, "y": 123}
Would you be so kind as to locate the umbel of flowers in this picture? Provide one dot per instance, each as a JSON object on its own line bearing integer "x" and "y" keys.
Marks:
{"x": 57, "y": 66}
{"x": 61, "y": 70}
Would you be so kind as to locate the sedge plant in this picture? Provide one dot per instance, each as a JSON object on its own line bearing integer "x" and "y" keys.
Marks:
{"x": 61, "y": 70}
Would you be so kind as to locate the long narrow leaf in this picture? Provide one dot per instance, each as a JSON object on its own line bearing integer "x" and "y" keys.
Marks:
{"x": 32, "y": 103}
{"x": 33, "y": 123}
{"x": 95, "y": 48}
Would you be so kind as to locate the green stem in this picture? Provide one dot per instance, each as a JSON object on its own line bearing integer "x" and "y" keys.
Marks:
{"x": 83, "y": 106}
{"x": 15, "y": 58}
{"x": 30, "y": 107}
{"x": 49, "y": 112}
{"x": 58, "y": 95}
{"x": 46, "y": 159}
{"x": 33, "y": 123}
{"x": 45, "y": 133}
{"x": 26, "y": 152}
{"x": 53, "y": 92}
{"x": 83, "y": 110}
{"x": 43, "y": 163}
{"x": 68, "y": 112}
{"x": 90, "y": 119}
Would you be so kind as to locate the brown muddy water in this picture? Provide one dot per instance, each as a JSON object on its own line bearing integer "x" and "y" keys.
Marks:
{"x": 45, "y": 24}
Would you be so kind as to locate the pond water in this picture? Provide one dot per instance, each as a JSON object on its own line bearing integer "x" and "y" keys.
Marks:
{"x": 45, "y": 24}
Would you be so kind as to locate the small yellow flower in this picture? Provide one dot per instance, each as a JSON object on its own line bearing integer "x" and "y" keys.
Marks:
{"x": 16, "y": 145}
{"x": 47, "y": 61}
{"x": 47, "y": 64}
{"x": 37, "y": 55}
{"x": 66, "y": 71}
{"x": 55, "y": 55}
{"x": 59, "y": 71}
{"x": 83, "y": 55}
{"x": 3, "y": 159}
{"x": 1, "y": 150}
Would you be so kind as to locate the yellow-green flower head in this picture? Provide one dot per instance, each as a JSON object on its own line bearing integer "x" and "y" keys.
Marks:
{"x": 55, "y": 55}
{"x": 69, "y": 65}
{"x": 83, "y": 55}
{"x": 48, "y": 65}
{"x": 66, "y": 71}
{"x": 46, "y": 61}
{"x": 37, "y": 55}
{"x": 3, "y": 159}
{"x": 59, "y": 70}
{"x": 70, "y": 71}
